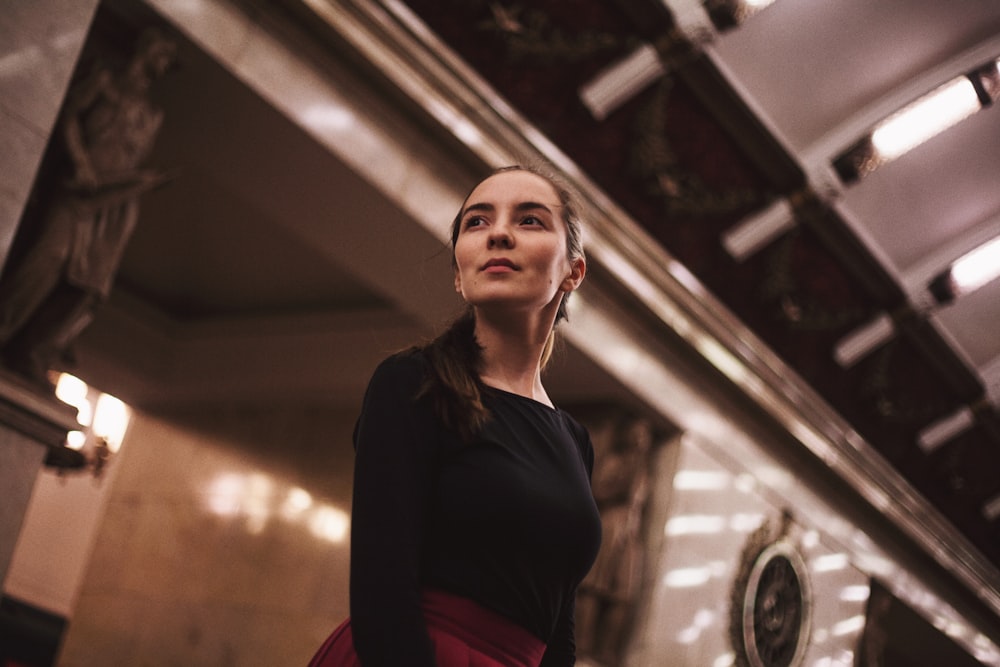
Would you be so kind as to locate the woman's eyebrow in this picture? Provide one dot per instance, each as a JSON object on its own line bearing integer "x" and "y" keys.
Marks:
{"x": 531, "y": 206}
{"x": 478, "y": 207}
{"x": 521, "y": 207}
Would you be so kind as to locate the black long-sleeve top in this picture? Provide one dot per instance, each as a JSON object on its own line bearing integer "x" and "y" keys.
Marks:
{"x": 507, "y": 520}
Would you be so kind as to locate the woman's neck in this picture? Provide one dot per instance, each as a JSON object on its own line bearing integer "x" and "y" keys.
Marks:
{"x": 512, "y": 353}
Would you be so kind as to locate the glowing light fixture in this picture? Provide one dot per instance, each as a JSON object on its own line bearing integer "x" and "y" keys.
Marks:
{"x": 103, "y": 421}
{"x": 978, "y": 267}
{"x": 920, "y": 120}
{"x": 963, "y": 276}
{"x": 968, "y": 273}
{"x": 929, "y": 116}
{"x": 728, "y": 14}
{"x": 111, "y": 418}
{"x": 73, "y": 391}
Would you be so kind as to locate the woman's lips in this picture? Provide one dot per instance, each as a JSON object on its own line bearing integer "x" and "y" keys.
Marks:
{"x": 500, "y": 265}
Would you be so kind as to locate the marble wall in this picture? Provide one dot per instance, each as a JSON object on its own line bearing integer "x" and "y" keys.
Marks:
{"x": 224, "y": 542}
{"x": 709, "y": 514}
{"x": 39, "y": 44}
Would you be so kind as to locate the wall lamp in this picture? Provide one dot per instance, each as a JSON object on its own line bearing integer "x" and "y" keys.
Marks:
{"x": 103, "y": 420}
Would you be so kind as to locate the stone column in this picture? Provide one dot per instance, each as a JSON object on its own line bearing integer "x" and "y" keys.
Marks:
{"x": 31, "y": 424}
{"x": 40, "y": 42}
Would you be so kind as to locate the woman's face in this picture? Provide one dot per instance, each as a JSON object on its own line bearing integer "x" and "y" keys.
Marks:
{"x": 511, "y": 246}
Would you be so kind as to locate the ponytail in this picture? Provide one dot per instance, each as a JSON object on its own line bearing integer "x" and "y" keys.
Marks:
{"x": 454, "y": 385}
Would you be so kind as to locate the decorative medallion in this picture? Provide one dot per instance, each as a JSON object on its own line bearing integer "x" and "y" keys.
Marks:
{"x": 770, "y": 602}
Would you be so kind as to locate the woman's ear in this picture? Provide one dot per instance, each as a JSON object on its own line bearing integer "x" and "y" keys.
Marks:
{"x": 578, "y": 269}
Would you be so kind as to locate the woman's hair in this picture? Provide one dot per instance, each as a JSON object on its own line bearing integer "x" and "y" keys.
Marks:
{"x": 455, "y": 355}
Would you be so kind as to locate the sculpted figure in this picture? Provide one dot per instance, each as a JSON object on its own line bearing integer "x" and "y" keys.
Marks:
{"x": 621, "y": 484}
{"x": 49, "y": 293}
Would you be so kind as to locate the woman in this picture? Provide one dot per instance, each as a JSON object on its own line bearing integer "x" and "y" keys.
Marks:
{"x": 473, "y": 520}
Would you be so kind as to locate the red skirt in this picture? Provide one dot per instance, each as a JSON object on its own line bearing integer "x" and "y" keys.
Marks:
{"x": 464, "y": 634}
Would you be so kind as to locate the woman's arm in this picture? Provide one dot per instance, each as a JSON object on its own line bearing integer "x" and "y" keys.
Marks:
{"x": 395, "y": 439}
{"x": 560, "y": 651}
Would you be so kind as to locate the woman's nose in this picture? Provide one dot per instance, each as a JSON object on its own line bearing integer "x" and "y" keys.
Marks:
{"x": 500, "y": 237}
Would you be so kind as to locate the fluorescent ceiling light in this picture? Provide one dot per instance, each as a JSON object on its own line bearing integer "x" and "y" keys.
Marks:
{"x": 928, "y": 116}
{"x": 621, "y": 81}
{"x": 978, "y": 267}
{"x": 968, "y": 273}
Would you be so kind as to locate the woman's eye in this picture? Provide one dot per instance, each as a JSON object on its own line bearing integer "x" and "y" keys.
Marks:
{"x": 531, "y": 220}
{"x": 474, "y": 221}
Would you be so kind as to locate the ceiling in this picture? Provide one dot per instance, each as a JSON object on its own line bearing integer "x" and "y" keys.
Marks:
{"x": 722, "y": 153}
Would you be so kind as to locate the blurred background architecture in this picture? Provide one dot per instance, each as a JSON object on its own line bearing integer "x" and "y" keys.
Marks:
{"x": 785, "y": 350}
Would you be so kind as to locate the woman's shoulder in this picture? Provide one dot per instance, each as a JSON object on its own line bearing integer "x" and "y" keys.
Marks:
{"x": 409, "y": 365}
{"x": 581, "y": 436}
{"x": 578, "y": 430}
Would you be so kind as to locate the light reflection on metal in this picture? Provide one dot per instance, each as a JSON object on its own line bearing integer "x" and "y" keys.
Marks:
{"x": 694, "y": 524}
{"x": 855, "y": 593}
{"x": 745, "y": 482}
{"x": 725, "y": 660}
{"x": 703, "y": 618}
{"x": 950, "y": 627}
{"x": 457, "y": 123}
{"x": 829, "y": 563}
{"x": 328, "y": 118}
{"x": 701, "y": 480}
{"x": 848, "y": 626}
{"x": 687, "y": 577}
{"x": 810, "y": 539}
{"x": 745, "y": 522}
